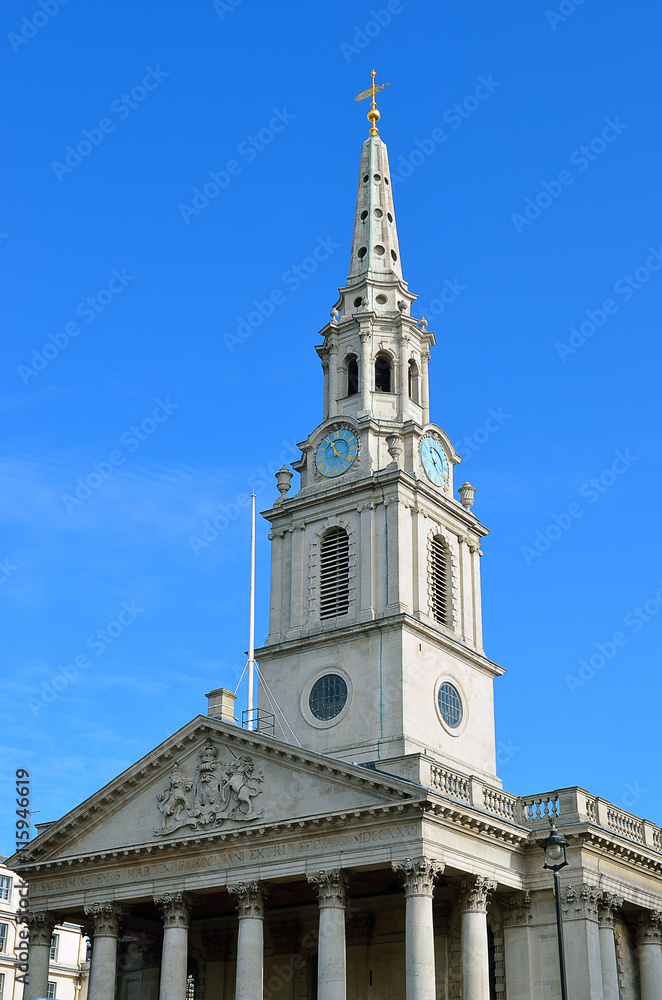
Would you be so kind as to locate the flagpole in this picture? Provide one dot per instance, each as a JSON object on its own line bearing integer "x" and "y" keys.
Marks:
{"x": 251, "y": 624}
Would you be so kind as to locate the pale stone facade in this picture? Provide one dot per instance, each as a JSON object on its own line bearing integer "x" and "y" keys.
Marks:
{"x": 66, "y": 962}
{"x": 363, "y": 848}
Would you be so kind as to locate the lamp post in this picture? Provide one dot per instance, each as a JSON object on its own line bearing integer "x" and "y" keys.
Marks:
{"x": 555, "y": 847}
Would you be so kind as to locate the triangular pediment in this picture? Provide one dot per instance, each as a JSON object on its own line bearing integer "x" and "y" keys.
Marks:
{"x": 213, "y": 778}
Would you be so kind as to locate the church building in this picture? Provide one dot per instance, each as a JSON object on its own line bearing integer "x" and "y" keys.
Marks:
{"x": 353, "y": 840}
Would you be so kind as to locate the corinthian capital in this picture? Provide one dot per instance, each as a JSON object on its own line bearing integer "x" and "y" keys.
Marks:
{"x": 331, "y": 887}
{"x": 175, "y": 908}
{"x": 250, "y": 898}
{"x": 608, "y": 903}
{"x": 516, "y": 909}
{"x": 41, "y": 924}
{"x": 105, "y": 918}
{"x": 473, "y": 891}
{"x": 649, "y": 927}
{"x": 418, "y": 875}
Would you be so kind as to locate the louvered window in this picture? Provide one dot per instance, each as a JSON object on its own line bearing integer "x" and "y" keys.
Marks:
{"x": 334, "y": 574}
{"x": 439, "y": 581}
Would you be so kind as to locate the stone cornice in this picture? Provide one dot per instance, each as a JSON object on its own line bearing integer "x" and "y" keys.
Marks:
{"x": 446, "y": 640}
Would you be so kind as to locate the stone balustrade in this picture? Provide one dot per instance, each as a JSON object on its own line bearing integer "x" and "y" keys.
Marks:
{"x": 565, "y": 805}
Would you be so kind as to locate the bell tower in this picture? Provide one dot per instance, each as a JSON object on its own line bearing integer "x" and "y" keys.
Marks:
{"x": 375, "y": 648}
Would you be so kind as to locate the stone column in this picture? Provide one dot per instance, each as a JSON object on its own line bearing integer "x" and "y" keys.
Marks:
{"x": 403, "y": 364}
{"x": 473, "y": 893}
{"x": 333, "y": 379}
{"x": 250, "y": 942}
{"x": 649, "y": 942}
{"x": 425, "y": 387}
{"x": 418, "y": 875}
{"x": 607, "y": 903}
{"x": 175, "y": 909}
{"x": 105, "y": 918}
{"x": 40, "y": 925}
{"x": 582, "y": 941}
{"x": 331, "y": 956}
{"x": 516, "y": 915}
{"x": 366, "y": 373}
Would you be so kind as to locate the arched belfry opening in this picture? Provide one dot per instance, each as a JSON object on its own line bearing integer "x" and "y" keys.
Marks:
{"x": 383, "y": 373}
{"x": 413, "y": 381}
{"x": 352, "y": 376}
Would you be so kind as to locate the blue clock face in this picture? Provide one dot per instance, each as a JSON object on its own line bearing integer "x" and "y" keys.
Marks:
{"x": 434, "y": 461}
{"x": 336, "y": 452}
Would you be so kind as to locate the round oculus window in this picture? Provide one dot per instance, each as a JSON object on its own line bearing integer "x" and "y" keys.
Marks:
{"x": 328, "y": 697}
{"x": 450, "y": 705}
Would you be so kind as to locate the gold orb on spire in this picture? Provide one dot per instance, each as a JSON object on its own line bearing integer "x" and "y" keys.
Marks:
{"x": 373, "y": 115}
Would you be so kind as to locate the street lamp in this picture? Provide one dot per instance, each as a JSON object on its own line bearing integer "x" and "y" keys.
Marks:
{"x": 555, "y": 847}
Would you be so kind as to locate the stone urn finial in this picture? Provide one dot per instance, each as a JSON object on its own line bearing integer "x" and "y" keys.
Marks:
{"x": 394, "y": 445}
{"x": 423, "y": 323}
{"x": 334, "y": 315}
{"x": 283, "y": 481}
{"x": 467, "y": 493}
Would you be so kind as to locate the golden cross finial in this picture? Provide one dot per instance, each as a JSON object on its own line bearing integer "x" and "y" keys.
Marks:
{"x": 373, "y": 114}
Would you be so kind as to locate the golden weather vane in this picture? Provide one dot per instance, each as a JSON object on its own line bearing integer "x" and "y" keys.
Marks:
{"x": 373, "y": 114}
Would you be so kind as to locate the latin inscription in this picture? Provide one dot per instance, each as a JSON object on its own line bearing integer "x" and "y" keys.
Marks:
{"x": 224, "y": 859}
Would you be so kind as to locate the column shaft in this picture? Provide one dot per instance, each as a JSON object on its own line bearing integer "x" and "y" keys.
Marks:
{"x": 331, "y": 957}
{"x": 331, "y": 962}
{"x": 425, "y": 387}
{"x": 38, "y": 975}
{"x": 419, "y": 951}
{"x": 649, "y": 941}
{"x": 475, "y": 962}
{"x": 473, "y": 892}
{"x": 250, "y": 940}
{"x": 250, "y": 958}
{"x": 103, "y": 971}
{"x": 610, "y": 990}
{"x": 418, "y": 875}
{"x": 176, "y": 908}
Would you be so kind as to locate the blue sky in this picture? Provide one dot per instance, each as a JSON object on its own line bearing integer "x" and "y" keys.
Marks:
{"x": 121, "y": 300}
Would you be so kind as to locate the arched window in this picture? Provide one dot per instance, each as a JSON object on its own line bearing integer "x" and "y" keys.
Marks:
{"x": 440, "y": 581}
{"x": 382, "y": 373}
{"x": 413, "y": 380}
{"x": 352, "y": 376}
{"x": 334, "y": 573}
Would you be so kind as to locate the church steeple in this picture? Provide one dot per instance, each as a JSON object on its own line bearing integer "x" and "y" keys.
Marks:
{"x": 375, "y": 644}
{"x": 375, "y": 249}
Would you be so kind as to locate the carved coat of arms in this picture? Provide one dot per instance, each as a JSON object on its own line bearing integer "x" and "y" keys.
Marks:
{"x": 217, "y": 792}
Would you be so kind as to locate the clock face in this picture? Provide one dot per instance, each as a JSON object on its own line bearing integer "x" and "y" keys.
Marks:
{"x": 434, "y": 461}
{"x": 336, "y": 452}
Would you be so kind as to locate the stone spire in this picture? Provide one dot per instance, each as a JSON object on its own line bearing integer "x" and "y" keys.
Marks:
{"x": 375, "y": 250}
